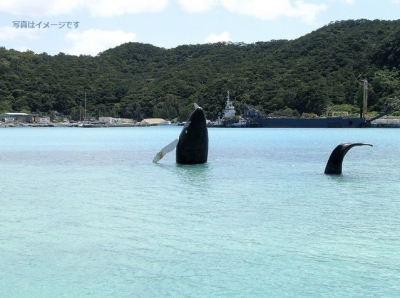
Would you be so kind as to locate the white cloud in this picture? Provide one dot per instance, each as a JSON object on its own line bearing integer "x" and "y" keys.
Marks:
{"x": 120, "y": 7}
{"x": 91, "y": 42}
{"x": 12, "y": 33}
{"x": 273, "y": 9}
{"x": 306, "y": 11}
{"x": 223, "y": 37}
{"x": 38, "y": 7}
{"x": 197, "y": 5}
{"x": 95, "y": 7}
{"x": 262, "y": 9}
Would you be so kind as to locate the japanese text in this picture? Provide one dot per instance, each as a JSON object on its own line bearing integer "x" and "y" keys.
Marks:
{"x": 44, "y": 25}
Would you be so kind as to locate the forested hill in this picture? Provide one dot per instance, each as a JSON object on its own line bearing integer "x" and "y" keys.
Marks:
{"x": 319, "y": 71}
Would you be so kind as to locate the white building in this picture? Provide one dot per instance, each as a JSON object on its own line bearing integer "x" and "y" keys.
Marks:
{"x": 44, "y": 120}
{"x": 11, "y": 117}
{"x": 109, "y": 120}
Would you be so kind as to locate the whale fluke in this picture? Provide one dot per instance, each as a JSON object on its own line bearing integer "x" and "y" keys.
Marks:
{"x": 334, "y": 165}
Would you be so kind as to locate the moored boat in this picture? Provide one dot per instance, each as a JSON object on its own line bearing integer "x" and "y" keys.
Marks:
{"x": 227, "y": 113}
{"x": 165, "y": 122}
{"x": 322, "y": 122}
{"x": 240, "y": 123}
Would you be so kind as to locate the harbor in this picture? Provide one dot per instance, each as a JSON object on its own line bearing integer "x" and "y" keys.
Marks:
{"x": 228, "y": 118}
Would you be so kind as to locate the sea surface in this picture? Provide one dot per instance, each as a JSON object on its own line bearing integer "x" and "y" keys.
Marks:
{"x": 85, "y": 213}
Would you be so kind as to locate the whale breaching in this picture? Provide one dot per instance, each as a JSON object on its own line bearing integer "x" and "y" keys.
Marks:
{"x": 192, "y": 147}
{"x": 334, "y": 164}
{"x": 192, "y": 144}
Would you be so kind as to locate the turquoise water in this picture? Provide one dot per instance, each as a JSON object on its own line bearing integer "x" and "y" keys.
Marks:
{"x": 85, "y": 213}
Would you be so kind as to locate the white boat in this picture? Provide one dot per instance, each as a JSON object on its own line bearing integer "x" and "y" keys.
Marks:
{"x": 165, "y": 122}
{"x": 217, "y": 123}
{"x": 240, "y": 123}
{"x": 229, "y": 109}
{"x": 227, "y": 113}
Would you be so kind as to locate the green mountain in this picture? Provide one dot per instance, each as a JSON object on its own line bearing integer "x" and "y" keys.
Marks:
{"x": 320, "y": 71}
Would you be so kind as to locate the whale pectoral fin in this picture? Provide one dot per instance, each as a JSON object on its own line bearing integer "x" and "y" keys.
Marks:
{"x": 334, "y": 164}
{"x": 171, "y": 146}
{"x": 158, "y": 157}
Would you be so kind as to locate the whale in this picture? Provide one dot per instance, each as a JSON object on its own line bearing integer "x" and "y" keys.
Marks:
{"x": 334, "y": 164}
{"x": 192, "y": 147}
{"x": 192, "y": 144}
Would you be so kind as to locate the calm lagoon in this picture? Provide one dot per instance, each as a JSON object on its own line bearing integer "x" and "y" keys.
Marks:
{"x": 85, "y": 213}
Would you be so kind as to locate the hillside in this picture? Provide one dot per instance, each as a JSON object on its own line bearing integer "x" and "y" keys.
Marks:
{"x": 319, "y": 71}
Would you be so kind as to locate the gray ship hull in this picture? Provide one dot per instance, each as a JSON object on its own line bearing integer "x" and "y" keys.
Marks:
{"x": 328, "y": 122}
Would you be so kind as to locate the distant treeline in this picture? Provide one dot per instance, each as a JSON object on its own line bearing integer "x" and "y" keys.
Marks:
{"x": 319, "y": 72}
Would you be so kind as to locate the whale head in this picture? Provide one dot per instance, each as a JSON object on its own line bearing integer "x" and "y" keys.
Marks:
{"x": 192, "y": 147}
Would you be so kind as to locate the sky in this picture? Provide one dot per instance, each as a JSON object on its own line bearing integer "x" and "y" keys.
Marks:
{"x": 78, "y": 27}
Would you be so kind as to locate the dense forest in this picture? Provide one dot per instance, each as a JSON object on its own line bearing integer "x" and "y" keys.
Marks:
{"x": 320, "y": 72}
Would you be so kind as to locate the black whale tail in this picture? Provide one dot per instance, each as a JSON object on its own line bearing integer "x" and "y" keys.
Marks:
{"x": 334, "y": 164}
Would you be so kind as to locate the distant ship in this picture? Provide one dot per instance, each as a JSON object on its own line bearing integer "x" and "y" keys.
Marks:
{"x": 320, "y": 122}
{"x": 228, "y": 113}
{"x": 252, "y": 118}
